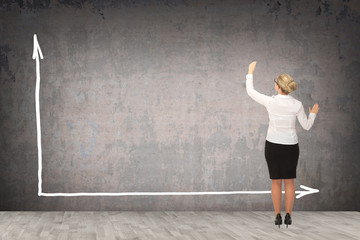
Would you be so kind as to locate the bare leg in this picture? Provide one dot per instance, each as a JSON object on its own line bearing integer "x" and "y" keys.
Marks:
{"x": 276, "y": 187}
{"x": 289, "y": 194}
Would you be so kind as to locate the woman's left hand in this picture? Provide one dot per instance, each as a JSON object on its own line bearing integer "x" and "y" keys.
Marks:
{"x": 252, "y": 67}
{"x": 315, "y": 108}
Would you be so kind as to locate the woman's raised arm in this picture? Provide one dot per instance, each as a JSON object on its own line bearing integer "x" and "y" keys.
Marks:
{"x": 258, "y": 97}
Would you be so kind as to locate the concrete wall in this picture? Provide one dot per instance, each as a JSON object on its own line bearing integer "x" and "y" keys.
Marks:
{"x": 147, "y": 96}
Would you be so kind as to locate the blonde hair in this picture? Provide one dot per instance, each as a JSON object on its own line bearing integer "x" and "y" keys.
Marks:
{"x": 286, "y": 83}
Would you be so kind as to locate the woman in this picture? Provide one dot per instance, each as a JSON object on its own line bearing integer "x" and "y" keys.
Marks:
{"x": 281, "y": 145}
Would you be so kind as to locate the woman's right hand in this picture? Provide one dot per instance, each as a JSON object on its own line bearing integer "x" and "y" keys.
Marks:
{"x": 315, "y": 109}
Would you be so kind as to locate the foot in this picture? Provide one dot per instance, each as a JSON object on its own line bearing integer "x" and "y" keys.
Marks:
{"x": 287, "y": 220}
{"x": 278, "y": 220}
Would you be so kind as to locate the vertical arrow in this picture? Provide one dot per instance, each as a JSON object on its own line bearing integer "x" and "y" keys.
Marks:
{"x": 36, "y": 55}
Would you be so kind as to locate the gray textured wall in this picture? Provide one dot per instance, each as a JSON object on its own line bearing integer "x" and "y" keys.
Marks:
{"x": 150, "y": 96}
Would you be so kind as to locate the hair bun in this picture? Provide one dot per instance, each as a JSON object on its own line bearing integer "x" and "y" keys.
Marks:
{"x": 292, "y": 86}
{"x": 286, "y": 83}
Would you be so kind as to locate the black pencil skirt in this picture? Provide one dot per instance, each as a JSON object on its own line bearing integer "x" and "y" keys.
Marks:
{"x": 281, "y": 160}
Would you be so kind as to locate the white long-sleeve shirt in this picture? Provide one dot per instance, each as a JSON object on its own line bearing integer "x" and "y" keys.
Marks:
{"x": 283, "y": 110}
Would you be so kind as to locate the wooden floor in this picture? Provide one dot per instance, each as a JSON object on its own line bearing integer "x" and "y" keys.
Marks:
{"x": 177, "y": 225}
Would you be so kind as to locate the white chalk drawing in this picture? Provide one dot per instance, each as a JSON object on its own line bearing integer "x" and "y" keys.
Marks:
{"x": 38, "y": 54}
{"x": 300, "y": 193}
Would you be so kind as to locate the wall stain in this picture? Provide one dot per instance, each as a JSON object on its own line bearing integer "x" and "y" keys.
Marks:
{"x": 274, "y": 8}
{"x": 5, "y": 73}
{"x": 87, "y": 148}
{"x": 347, "y": 13}
{"x": 97, "y": 6}
{"x": 69, "y": 125}
{"x": 324, "y": 8}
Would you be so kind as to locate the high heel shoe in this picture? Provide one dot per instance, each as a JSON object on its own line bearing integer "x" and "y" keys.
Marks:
{"x": 278, "y": 220}
{"x": 287, "y": 220}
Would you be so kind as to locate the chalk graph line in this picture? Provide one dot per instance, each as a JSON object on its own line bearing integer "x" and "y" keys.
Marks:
{"x": 37, "y": 55}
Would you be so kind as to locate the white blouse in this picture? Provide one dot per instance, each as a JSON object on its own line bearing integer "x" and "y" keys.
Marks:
{"x": 283, "y": 110}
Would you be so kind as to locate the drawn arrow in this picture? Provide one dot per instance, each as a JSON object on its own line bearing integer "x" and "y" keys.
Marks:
{"x": 301, "y": 193}
{"x": 38, "y": 54}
